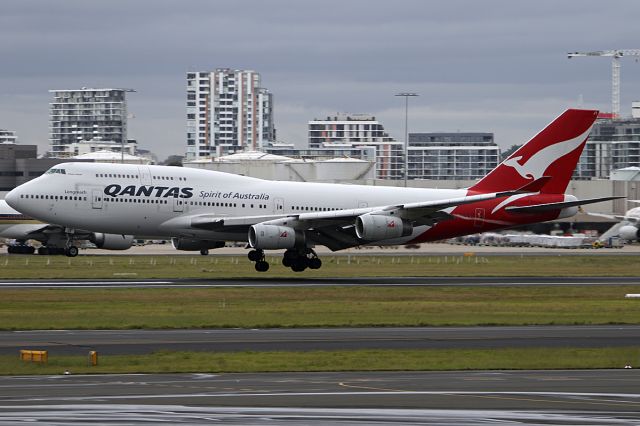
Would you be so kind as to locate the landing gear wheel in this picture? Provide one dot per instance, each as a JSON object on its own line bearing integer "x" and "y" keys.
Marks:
{"x": 204, "y": 252}
{"x": 255, "y": 255}
{"x": 44, "y": 250}
{"x": 315, "y": 263}
{"x": 299, "y": 265}
{"x": 71, "y": 251}
{"x": 262, "y": 266}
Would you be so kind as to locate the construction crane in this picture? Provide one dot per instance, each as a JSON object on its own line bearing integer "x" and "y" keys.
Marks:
{"x": 615, "y": 72}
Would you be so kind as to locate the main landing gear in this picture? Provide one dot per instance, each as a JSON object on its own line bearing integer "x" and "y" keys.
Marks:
{"x": 257, "y": 256}
{"x": 299, "y": 260}
{"x": 296, "y": 259}
{"x": 20, "y": 249}
{"x": 70, "y": 251}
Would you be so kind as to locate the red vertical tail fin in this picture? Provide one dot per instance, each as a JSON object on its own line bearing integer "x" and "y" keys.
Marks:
{"x": 553, "y": 152}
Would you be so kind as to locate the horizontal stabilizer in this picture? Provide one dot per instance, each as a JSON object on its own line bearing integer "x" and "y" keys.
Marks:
{"x": 537, "y": 208}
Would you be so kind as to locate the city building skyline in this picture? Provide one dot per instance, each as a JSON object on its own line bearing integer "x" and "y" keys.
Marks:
{"x": 8, "y": 136}
{"x": 86, "y": 115}
{"x": 359, "y": 130}
{"x": 612, "y": 145}
{"x": 227, "y": 110}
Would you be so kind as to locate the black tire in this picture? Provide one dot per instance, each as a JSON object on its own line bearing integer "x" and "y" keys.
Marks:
{"x": 71, "y": 251}
{"x": 262, "y": 266}
{"x": 286, "y": 262}
{"x": 255, "y": 255}
{"x": 315, "y": 263}
{"x": 299, "y": 264}
{"x": 44, "y": 251}
{"x": 290, "y": 255}
{"x": 204, "y": 252}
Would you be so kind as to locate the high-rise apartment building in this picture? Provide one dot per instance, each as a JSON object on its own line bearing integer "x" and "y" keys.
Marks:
{"x": 86, "y": 115}
{"x": 227, "y": 111}
{"x": 452, "y": 156}
{"x": 613, "y": 144}
{"x": 359, "y": 130}
{"x": 8, "y": 136}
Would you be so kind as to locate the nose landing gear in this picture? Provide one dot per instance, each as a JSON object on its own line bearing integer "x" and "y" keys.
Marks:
{"x": 71, "y": 251}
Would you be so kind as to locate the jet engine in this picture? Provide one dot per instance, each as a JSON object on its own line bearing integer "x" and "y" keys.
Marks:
{"x": 188, "y": 244}
{"x": 273, "y": 237}
{"x": 370, "y": 227}
{"x": 629, "y": 232}
{"x": 112, "y": 241}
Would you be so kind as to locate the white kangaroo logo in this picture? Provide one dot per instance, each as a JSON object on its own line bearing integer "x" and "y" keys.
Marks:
{"x": 538, "y": 163}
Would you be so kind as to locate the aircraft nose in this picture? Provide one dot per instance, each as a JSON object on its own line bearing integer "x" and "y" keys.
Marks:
{"x": 13, "y": 197}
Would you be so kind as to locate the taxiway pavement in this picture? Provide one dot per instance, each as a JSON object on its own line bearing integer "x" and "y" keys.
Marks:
{"x": 594, "y": 397}
{"x": 112, "y": 342}
{"x": 320, "y": 282}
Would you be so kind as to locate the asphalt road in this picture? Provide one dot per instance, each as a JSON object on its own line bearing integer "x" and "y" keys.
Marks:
{"x": 320, "y": 282}
{"x": 111, "y": 342}
{"x": 596, "y": 397}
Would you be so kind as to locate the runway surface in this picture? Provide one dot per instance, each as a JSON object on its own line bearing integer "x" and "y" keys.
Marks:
{"x": 112, "y": 342}
{"x": 598, "y": 397}
{"x": 321, "y": 282}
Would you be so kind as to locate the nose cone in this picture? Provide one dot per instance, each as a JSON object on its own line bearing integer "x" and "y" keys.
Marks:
{"x": 13, "y": 197}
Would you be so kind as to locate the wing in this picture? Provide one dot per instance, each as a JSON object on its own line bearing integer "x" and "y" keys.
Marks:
{"x": 612, "y": 216}
{"x": 614, "y": 231}
{"x": 42, "y": 232}
{"x": 30, "y": 231}
{"x": 333, "y": 229}
{"x": 537, "y": 208}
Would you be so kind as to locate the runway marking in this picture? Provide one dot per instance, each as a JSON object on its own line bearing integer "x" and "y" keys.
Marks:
{"x": 80, "y": 283}
{"x": 617, "y": 403}
{"x": 487, "y": 394}
{"x": 370, "y": 387}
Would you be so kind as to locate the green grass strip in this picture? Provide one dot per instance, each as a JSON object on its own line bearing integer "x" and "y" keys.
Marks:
{"x": 28, "y": 309}
{"x": 360, "y": 360}
{"x": 344, "y": 266}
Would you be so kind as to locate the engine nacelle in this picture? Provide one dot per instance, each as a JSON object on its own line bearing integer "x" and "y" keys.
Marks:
{"x": 629, "y": 232}
{"x": 568, "y": 212}
{"x": 112, "y": 241}
{"x": 273, "y": 237}
{"x": 372, "y": 227}
{"x": 188, "y": 244}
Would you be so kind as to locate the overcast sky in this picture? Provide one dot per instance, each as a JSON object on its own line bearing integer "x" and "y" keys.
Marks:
{"x": 491, "y": 66}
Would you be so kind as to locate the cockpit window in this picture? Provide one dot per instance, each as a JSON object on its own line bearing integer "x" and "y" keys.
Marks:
{"x": 60, "y": 171}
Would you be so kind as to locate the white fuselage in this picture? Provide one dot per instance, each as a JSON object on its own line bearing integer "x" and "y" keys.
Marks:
{"x": 152, "y": 200}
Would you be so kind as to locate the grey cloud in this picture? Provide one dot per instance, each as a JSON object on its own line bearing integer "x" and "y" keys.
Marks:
{"x": 317, "y": 58}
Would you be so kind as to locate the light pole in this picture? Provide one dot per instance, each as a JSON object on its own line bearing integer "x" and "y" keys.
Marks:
{"x": 406, "y": 133}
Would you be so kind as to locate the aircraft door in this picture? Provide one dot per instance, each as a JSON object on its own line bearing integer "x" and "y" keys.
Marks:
{"x": 96, "y": 199}
{"x": 478, "y": 219}
{"x": 178, "y": 205}
{"x": 278, "y": 206}
{"x": 145, "y": 175}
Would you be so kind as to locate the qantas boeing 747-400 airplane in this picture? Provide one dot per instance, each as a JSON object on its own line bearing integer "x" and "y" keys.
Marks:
{"x": 202, "y": 209}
